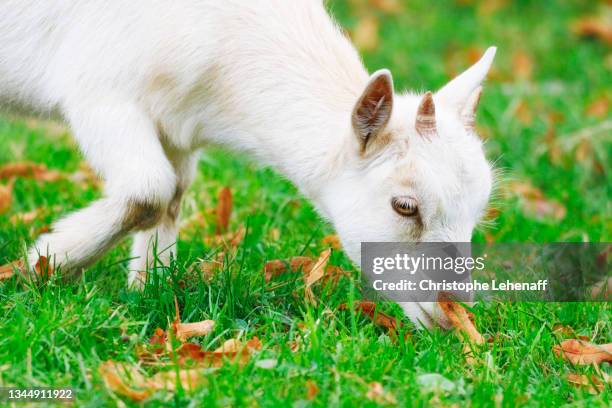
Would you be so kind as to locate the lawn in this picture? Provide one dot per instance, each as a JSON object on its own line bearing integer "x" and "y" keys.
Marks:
{"x": 545, "y": 116}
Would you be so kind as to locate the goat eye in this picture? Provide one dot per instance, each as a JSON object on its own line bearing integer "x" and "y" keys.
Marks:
{"x": 405, "y": 206}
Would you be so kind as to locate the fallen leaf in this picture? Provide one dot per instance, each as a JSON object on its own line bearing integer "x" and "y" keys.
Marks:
{"x": 8, "y": 271}
{"x": 184, "y": 331}
{"x": 459, "y": 318}
{"x": 113, "y": 373}
{"x": 492, "y": 213}
{"x": 254, "y": 344}
{"x": 302, "y": 264}
{"x": 599, "y": 108}
{"x": 523, "y": 113}
{"x": 189, "y": 380}
{"x": 27, "y": 217}
{"x": 379, "y": 318}
{"x": 159, "y": 338}
{"x": 224, "y": 210}
{"x": 534, "y": 203}
{"x": 377, "y": 393}
{"x": 332, "y": 241}
{"x": 127, "y": 381}
{"x": 584, "y": 353}
{"x": 365, "y": 34}
{"x": 311, "y": 390}
{"x": 278, "y": 267}
{"x": 593, "y": 384}
{"x": 31, "y": 170}
{"x": 593, "y": 27}
{"x": 522, "y": 65}
{"x": 489, "y": 7}
{"x": 209, "y": 269}
{"x": 43, "y": 268}
{"x": 232, "y": 351}
{"x": 316, "y": 273}
{"x": 388, "y": 6}
{"x": 230, "y": 346}
{"x": 6, "y": 196}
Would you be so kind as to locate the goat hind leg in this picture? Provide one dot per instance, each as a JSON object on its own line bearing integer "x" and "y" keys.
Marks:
{"x": 157, "y": 245}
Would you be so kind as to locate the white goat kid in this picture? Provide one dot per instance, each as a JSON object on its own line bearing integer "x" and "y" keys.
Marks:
{"x": 144, "y": 84}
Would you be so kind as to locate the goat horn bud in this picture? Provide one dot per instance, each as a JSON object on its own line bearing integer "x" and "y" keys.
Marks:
{"x": 426, "y": 116}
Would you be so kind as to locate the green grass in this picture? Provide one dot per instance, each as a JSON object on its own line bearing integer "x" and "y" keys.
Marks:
{"x": 58, "y": 334}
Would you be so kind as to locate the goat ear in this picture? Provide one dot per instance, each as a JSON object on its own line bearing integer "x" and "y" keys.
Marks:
{"x": 462, "y": 91}
{"x": 373, "y": 109}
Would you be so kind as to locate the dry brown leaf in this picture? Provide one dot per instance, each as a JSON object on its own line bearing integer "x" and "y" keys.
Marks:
{"x": 332, "y": 241}
{"x": 388, "y": 6}
{"x": 584, "y": 353}
{"x": 593, "y": 27}
{"x": 302, "y": 264}
{"x": 9, "y": 270}
{"x": 32, "y": 170}
{"x": 126, "y": 380}
{"x": 6, "y": 197}
{"x": 459, "y": 318}
{"x": 184, "y": 331}
{"x": 523, "y": 113}
{"x": 209, "y": 359}
{"x": 311, "y": 390}
{"x": 593, "y": 384}
{"x": 159, "y": 339}
{"x": 599, "y": 108}
{"x": 365, "y": 34}
{"x": 42, "y": 269}
{"x": 377, "y": 317}
{"x": 231, "y": 350}
{"x": 315, "y": 274}
{"x": 230, "y": 346}
{"x": 224, "y": 210}
{"x": 296, "y": 264}
{"x": 27, "y": 217}
{"x": 318, "y": 269}
{"x": 113, "y": 374}
{"x": 254, "y": 344}
{"x": 542, "y": 209}
{"x": 486, "y": 8}
{"x": 522, "y": 65}
{"x": 209, "y": 269}
{"x": 492, "y": 213}
{"x": 189, "y": 379}
{"x": 534, "y": 203}
{"x": 376, "y": 392}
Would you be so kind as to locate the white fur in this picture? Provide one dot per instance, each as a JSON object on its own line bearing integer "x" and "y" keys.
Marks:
{"x": 145, "y": 84}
